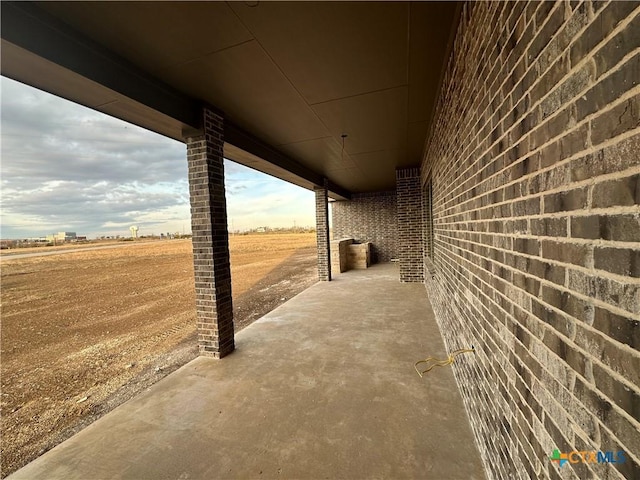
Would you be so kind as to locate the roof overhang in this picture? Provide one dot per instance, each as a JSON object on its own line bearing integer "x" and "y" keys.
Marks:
{"x": 291, "y": 77}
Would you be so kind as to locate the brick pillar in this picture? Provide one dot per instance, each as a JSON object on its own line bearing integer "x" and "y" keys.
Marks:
{"x": 409, "y": 207}
{"x": 322, "y": 233}
{"x": 210, "y": 241}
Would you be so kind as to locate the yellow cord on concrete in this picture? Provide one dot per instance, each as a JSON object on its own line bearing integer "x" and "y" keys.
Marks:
{"x": 441, "y": 363}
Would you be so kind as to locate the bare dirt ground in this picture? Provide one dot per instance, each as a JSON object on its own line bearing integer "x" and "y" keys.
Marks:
{"x": 85, "y": 331}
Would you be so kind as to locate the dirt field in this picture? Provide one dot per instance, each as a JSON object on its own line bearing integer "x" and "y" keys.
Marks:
{"x": 82, "y": 332}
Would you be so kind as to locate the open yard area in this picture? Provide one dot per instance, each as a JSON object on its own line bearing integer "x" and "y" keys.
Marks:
{"x": 84, "y": 331}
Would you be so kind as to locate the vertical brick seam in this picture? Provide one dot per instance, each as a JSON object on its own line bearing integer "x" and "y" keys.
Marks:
{"x": 322, "y": 233}
{"x": 534, "y": 168}
{"x": 369, "y": 217}
{"x": 409, "y": 212}
{"x": 210, "y": 239}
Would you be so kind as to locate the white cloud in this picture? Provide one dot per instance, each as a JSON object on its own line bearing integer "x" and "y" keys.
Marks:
{"x": 66, "y": 167}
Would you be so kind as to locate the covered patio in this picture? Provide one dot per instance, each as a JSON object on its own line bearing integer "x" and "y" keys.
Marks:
{"x": 321, "y": 387}
{"x": 489, "y": 147}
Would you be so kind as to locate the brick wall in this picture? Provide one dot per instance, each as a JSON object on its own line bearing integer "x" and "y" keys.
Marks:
{"x": 533, "y": 161}
{"x": 214, "y": 309}
{"x": 322, "y": 234}
{"x": 368, "y": 217}
{"x": 409, "y": 211}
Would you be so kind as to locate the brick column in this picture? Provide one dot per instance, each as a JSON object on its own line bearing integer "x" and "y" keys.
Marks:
{"x": 409, "y": 206}
{"x": 210, "y": 241}
{"x": 322, "y": 233}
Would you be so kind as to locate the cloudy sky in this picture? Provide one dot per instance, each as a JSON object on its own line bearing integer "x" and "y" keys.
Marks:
{"x": 65, "y": 167}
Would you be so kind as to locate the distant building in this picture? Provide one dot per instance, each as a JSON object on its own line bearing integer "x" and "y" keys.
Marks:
{"x": 62, "y": 237}
{"x": 35, "y": 240}
{"x": 67, "y": 236}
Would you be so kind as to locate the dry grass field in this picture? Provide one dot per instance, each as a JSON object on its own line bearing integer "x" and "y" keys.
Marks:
{"x": 82, "y": 332}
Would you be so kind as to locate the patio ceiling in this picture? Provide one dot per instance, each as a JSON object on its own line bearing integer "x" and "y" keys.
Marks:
{"x": 290, "y": 77}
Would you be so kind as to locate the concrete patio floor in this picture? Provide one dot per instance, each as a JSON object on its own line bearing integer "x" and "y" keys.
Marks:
{"x": 321, "y": 387}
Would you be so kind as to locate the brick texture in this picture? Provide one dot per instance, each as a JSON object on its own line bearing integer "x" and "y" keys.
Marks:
{"x": 532, "y": 231}
{"x": 368, "y": 217}
{"x": 427, "y": 229}
{"x": 409, "y": 211}
{"x": 214, "y": 309}
{"x": 322, "y": 233}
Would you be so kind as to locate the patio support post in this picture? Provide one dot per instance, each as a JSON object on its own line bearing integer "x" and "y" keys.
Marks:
{"x": 322, "y": 232}
{"x": 409, "y": 211}
{"x": 210, "y": 238}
